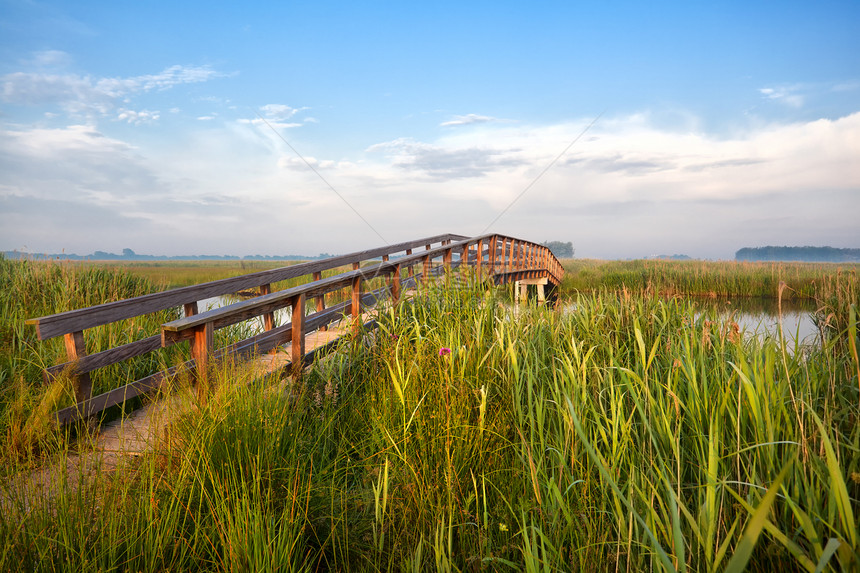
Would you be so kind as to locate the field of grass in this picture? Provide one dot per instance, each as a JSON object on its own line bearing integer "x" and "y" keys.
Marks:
{"x": 175, "y": 274}
{"x": 706, "y": 278}
{"x": 633, "y": 433}
{"x": 30, "y": 289}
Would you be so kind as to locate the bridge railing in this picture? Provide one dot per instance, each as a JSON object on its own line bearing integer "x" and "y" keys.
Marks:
{"x": 503, "y": 258}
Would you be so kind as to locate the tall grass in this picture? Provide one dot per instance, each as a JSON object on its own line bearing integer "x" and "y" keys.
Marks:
{"x": 30, "y": 289}
{"x": 467, "y": 435}
{"x": 707, "y": 278}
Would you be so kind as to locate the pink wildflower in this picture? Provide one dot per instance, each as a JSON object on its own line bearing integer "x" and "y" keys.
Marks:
{"x": 444, "y": 351}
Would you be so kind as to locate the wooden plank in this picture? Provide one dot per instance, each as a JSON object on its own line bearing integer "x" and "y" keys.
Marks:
{"x": 355, "y": 308}
{"x": 76, "y": 350}
{"x": 115, "y": 397}
{"x": 202, "y": 347}
{"x": 426, "y": 272}
{"x": 321, "y": 298}
{"x": 107, "y": 357}
{"x": 255, "y": 345}
{"x": 81, "y": 319}
{"x": 395, "y": 285}
{"x": 298, "y": 334}
{"x": 268, "y": 317}
{"x": 190, "y": 308}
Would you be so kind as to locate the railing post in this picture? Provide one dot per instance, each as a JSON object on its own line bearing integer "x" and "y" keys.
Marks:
{"x": 395, "y": 285}
{"x": 491, "y": 257}
{"x": 411, "y": 267}
{"x": 355, "y": 308}
{"x": 75, "y": 350}
{"x": 269, "y": 317}
{"x": 320, "y": 300}
{"x": 505, "y": 265}
{"x": 190, "y": 308}
{"x": 426, "y": 271}
{"x": 202, "y": 345}
{"x": 298, "y": 333}
{"x": 480, "y": 260}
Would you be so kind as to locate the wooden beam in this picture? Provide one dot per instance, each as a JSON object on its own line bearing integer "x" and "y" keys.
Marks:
{"x": 395, "y": 285}
{"x": 75, "y": 350}
{"x": 355, "y": 309}
{"x": 320, "y": 299}
{"x": 202, "y": 347}
{"x": 298, "y": 343}
{"x": 82, "y": 319}
{"x": 426, "y": 272}
{"x": 269, "y": 317}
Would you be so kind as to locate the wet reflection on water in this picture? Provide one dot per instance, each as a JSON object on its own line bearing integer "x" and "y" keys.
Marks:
{"x": 761, "y": 317}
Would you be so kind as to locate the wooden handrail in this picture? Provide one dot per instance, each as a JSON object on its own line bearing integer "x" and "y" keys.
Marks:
{"x": 81, "y": 319}
{"x": 502, "y": 258}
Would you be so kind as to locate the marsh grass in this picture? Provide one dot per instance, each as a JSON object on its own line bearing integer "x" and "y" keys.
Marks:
{"x": 30, "y": 289}
{"x": 465, "y": 435}
{"x": 708, "y": 278}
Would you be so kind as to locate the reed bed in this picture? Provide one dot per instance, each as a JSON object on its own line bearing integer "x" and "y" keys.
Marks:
{"x": 31, "y": 289}
{"x": 708, "y": 278}
{"x": 465, "y": 434}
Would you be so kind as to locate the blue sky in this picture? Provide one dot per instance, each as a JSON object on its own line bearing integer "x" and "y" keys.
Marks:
{"x": 149, "y": 125}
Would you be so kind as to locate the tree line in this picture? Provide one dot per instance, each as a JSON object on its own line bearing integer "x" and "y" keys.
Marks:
{"x": 805, "y": 254}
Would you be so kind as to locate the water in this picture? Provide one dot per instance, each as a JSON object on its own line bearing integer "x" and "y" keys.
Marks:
{"x": 760, "y": 317}
{"x": 256, "y": 324}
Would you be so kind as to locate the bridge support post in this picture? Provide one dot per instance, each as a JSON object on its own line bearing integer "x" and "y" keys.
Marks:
{"x": 395, "y": 285}
{"x": 426, "y": 271}
{"x": 411, "y": 268}
{"x": 522, "y": 287}
{"x": 75, "y": 350}
{"x": 320, "y": 300}
{"x": 298, "y": 334}
{"x": 202, "y": 345}
{"x": 355, "y": 308}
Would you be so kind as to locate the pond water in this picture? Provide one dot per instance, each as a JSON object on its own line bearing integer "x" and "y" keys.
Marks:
{"x": 256, "y": 325}
{"x": 761, "y": 317}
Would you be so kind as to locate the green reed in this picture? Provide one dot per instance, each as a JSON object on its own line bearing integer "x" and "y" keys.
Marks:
{"x": 30, "y": 289}
{"x": 465, "y": 434}
{"x": 708, "y": 278}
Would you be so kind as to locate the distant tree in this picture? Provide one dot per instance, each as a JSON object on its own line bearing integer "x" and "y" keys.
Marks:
{"x": 560, "y": 249}
{"x": 809, "y": 254}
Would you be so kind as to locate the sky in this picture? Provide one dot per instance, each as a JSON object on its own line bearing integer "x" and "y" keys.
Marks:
{"x": 630, "y": 129}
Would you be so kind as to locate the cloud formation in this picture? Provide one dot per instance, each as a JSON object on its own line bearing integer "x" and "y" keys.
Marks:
{"x": 468, "y": 119}
{"x": 88, "y": 96}
{"x": 632, "y": 188}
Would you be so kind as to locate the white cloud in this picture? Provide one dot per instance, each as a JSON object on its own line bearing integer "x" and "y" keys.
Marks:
{"x": 85, "y": 95}
{"x": 280, "y": 112}
{"x": 787, "y": 95}
{"x": 468, "y": 119}
{"x": 629, "y": 188}
{"x": 137, "y": 117}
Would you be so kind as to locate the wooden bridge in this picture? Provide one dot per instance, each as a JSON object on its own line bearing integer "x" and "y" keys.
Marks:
{"x": 497, "y": 258}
